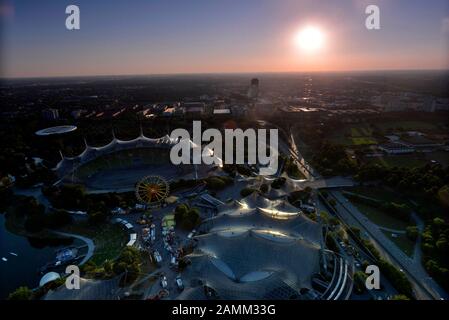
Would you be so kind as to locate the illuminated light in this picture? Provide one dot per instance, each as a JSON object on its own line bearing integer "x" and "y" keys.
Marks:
{"x": 310, "y": 39}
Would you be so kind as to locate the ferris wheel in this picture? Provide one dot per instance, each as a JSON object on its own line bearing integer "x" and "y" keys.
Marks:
{"x": 152, "y": 190}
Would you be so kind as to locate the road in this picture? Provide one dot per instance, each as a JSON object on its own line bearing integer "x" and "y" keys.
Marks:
{"x": 322, "y": 183}
{"x": 412, "y": 266}
{"x": 292, "y": 150}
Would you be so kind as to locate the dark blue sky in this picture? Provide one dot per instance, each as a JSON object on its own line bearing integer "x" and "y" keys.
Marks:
{"x": 185, "y": 36}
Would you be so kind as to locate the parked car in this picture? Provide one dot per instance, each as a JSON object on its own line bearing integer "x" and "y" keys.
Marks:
{"x": 179, "y": 283}
{"x": 157, "y": 256}
{"x": 164, "y": 281}
{"x": 191, "y": 234}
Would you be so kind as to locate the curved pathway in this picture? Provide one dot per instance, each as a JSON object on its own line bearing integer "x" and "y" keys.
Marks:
{"x": 392, "y": 230}
{"x": 89, "y": 242}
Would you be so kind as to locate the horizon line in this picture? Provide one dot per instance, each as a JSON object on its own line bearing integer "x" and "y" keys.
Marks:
{"x": 216, "y": 73}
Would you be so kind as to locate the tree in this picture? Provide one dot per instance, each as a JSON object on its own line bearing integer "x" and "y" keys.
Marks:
{"x": 438, "y": 222}
{"x": 35, "y": 223}
{"x": 108, "y": 266}
{"x": 331, "y": 159}
{"x": 192, "y": 219}
{"x": 331, "y": 243}
{"x": 299, "y": 195}
{"x": 180, "y": 213}
{"x": 442, "y": 244}
{"x": 246, "y": 192}
{"x": 129, "y": 263}
{"x": 443, "y": 196}
{"x": 324, "y": 217}
{"x": 29, "y": 207}
{"x": 355, "y": 230}
{"x": 264, "y": 188}
{"x": 334, "y": 221}
{"x": 70, "y": 197}
{"x": 58, "y": 219}
{"x": 187, "y": 218}
{"x": 412, "y": 232}
{"x": 396, "y": 277}
{"x": 278, "y": 183}
{"x": 218, "y": 183}
{"x": 96, "y": 217}
{"x": 359, "y": 282}
{"x": 21, "y": 293}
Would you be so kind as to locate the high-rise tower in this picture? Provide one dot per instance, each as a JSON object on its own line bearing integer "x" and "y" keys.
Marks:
{"x": 253, "y": 90}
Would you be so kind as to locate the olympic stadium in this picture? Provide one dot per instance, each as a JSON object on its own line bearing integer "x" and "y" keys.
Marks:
{"x": 118, "y": 165}
{"x": 263, "y": 249}
{"x": 58, "y": 130}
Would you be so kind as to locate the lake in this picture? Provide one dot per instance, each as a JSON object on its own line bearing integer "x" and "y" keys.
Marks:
{"x": 32, "y": 254}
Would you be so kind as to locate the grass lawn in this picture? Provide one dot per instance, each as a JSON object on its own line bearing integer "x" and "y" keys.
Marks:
{"x": 409, "y": 125}
{"x": 109, "y": 242}
{"x": 109, "y": 239}
{"x": 361, "y": 131}
{"x": 440, "y": 156}
{"x": 378, "y": 193}
{"x": 362, "y": 134}
{"x": 380, "y": 218}
{"x": 423, "y": 206}
{"x": 375, "y": 215}
{"x": 358, "y": 141}
{"x": 352, "y": 141}
{"x": 405, "y": 161}
{"x": 359, "y": 134}
{"x": 402, "y": 242}
{"x": 427, "y": 209}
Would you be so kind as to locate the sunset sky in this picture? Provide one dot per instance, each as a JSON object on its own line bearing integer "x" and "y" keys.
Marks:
{"x": 211, "y": 36}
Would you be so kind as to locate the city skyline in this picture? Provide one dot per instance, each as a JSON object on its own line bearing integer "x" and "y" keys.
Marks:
{"x": 216, "y": 37}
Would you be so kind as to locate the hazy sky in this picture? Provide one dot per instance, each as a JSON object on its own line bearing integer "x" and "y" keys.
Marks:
{"x": 202, "y": 36}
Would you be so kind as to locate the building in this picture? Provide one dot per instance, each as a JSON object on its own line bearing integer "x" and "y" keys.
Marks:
{"x": 442, "y": 104}
{"x": 265, "y": 108}
{"x": 168, "y": 112}
{"x": 394, "y": 104}
{"x": 253, "y": 91}
{"x": 239, "y": 111}
{"x": 222, "y": 112}
{"x": 396, "y": 148}
{"x": 263, "y": 249}
{"x": 193, "y": 109}
{"x": 50, "y": 114}
{"x": 76, "y": 114}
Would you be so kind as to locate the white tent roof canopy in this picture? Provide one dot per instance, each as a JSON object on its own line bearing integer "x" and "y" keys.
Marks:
{"x": 130, "y": 243}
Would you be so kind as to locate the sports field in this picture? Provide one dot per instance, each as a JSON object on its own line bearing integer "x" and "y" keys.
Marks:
{"x": 358, "y": 134}
{"x": 120, "y": 171}
{"x": 124, "y": 179}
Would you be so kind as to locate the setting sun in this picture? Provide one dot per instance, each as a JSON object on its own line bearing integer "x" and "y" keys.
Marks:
{"x": 310, "y": 39}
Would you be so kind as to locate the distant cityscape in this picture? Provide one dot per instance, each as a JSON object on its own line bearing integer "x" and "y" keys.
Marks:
{"x": 224, "y": 158}
{"x": 92, "y": 164}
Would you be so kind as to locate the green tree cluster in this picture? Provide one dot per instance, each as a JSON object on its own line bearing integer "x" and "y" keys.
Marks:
{"x": 186, "y": 217}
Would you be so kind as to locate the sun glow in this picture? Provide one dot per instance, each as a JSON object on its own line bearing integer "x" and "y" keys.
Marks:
{"x": 310, "y": 39}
